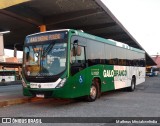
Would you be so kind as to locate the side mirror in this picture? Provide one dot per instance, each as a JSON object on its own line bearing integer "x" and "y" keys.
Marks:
{"x": 74, "y": 51}
{"x": 78, "y": 50}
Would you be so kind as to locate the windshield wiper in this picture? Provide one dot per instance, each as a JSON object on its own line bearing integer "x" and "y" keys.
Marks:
{"x": 48, "y": 49}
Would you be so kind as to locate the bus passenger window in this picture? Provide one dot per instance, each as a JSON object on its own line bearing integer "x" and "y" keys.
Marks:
{"x": 77, "y": 59}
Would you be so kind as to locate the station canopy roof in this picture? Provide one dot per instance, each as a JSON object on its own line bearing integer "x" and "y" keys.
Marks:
{"x": 23, "y": 17}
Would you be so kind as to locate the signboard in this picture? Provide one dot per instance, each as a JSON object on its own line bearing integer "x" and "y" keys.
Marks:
{"x": 45, "y": 37}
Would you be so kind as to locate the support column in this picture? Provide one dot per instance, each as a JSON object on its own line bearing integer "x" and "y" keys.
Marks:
{"x": 19, "y": 72}
{"x": 42, "y": 28}
{"x": 1, "y": 45}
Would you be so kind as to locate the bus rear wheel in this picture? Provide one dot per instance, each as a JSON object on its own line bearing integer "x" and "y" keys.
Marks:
{"x": 3, "y": 80}
{"x": 93, "y": 93}
{"x": 133, "y": 85}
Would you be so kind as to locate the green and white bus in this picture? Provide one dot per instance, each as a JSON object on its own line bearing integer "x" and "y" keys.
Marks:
{"x": 7, "y": 75}
{"x": 70, "y": 63}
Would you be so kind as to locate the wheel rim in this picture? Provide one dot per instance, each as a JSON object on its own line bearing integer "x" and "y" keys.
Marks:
{"x": 93, "y": 92}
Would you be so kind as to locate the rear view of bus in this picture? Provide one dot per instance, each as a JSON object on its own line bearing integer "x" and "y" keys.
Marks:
{"x": 152, "y": 71}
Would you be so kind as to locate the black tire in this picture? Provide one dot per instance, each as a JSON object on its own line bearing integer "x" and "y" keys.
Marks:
{"x": 3, "y": 80}
{"x": 93, "y": 93}
{"x": 133, "y": 85}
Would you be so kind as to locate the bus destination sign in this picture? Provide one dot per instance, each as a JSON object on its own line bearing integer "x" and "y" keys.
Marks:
{"x": 44, "y": 37}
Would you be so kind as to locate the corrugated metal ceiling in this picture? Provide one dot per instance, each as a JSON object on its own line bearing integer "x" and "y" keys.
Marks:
{"x": 92, "y": 16}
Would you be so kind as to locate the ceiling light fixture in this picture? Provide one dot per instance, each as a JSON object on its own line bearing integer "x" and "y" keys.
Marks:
{"x": 5, "y": 32}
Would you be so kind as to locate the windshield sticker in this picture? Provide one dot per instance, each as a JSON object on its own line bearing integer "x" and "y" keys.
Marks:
{"x": 62, "y": 62}
{"x": 58, "y": 50}
{"x": 64, "y": 45}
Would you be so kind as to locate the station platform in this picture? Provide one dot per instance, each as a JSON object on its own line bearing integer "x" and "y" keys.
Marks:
{"x": 11, "y": 94}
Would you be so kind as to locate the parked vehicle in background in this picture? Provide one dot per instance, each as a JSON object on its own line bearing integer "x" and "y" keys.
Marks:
{"x": 7, "y": 75}
{"x": 152, "y": 71}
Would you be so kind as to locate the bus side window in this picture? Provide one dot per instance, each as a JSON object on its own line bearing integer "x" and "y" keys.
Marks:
{"x": 77, "y": 59}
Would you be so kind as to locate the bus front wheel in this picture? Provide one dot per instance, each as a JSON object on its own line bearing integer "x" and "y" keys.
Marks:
{"x": 93, "y": 93}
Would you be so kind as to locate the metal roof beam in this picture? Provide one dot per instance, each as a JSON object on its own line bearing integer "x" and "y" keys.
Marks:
{"x": 70, "y": 16}
{"x": 96, "y": 26}
{"x": 18, "y": 17}
{"x": 111, "y": 35}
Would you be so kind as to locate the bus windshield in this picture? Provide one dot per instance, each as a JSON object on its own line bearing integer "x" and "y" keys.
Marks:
{"x": 45, "y": 59}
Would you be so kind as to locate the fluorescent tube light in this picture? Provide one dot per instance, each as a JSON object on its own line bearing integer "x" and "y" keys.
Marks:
{"x": 5, "y": 32}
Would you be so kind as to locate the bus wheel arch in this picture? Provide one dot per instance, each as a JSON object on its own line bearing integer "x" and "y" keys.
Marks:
{"x": 97, "y": 81}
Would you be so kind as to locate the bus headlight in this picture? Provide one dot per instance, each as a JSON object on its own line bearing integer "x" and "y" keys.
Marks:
{"x": 61, "y": 83}
{"x": 24, "y": 83}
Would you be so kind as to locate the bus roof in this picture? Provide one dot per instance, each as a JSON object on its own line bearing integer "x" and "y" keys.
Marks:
{"x": 48, "y": 32}
{"x": 108, "y": 41}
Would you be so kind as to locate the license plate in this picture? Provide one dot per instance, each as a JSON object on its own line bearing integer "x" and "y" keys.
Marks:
{"x": 40, "y": 95}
